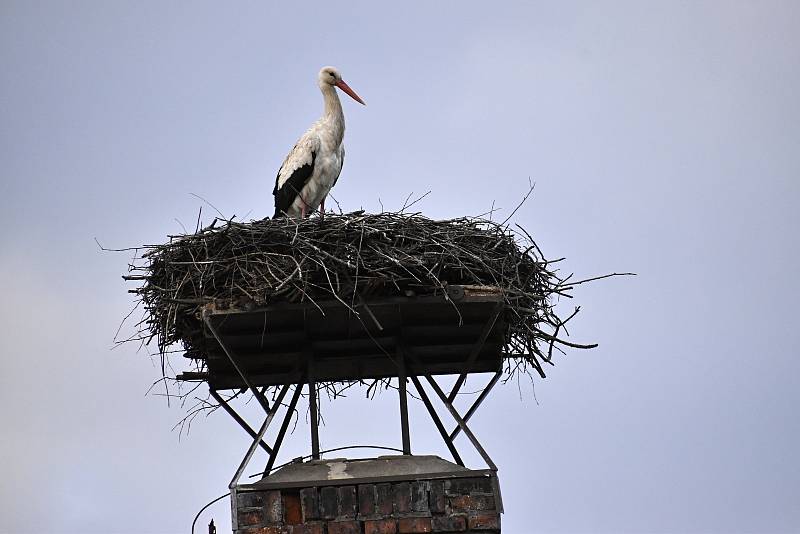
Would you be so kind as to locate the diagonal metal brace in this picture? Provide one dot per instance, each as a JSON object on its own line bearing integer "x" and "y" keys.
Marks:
{"x": 476, "y": 350}
{"x": 229, "y": 353}
{"x": 238, "y": 418}
{"x": 259, "y": 436}
{"x": 282, "y": 432}
{"x": 461, "y": 423}
{"x": 437, "y": 421}
{"x": 478, "y": 401}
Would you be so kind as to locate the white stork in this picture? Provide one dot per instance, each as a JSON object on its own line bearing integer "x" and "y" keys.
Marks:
{"x": 312, "y": 167}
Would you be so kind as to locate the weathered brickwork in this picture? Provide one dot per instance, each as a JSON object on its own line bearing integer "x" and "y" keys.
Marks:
{"x": 462, "y": 505}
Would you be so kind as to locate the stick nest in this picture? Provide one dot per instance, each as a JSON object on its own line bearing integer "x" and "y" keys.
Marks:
{"x": 349, "y": 257}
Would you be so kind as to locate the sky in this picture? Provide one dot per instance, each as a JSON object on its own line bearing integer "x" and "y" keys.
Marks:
{"x": 663, "y": 138}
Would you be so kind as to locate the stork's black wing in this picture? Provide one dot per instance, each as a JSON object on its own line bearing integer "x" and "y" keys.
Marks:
{"x": 290, "y": 181}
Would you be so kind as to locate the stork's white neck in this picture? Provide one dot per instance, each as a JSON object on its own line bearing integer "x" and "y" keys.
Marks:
{"x": 334, "y": 116}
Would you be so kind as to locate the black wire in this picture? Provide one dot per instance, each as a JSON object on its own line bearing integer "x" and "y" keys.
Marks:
{"x": 301, "y": 458}
{"x": 206, "y": 506}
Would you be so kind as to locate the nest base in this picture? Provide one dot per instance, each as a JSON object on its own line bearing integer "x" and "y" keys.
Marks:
{"x": 331, "y": 342}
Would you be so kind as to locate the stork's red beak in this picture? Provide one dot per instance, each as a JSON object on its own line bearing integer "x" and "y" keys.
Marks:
{"x": 346, "y": 88}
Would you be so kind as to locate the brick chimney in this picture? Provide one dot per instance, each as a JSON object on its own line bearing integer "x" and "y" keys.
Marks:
{"x": 385, "y": 495}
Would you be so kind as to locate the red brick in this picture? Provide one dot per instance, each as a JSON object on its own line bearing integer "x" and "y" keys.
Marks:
{"x": 347, "y": 502}
{"x": 385, "y": 502}
{"x": 328, "y": 498}
{"x": 249, "y": 499}
{"x": 419, "y": 496}
{"x": 247, "y": 517}
{"x": 402, "y": 498}
{"x": 437, "y": 500}
{"x": 292, "y": 511}
{"x": 366, "y": 499}
{"x": 273, "y": 509}
{"x": 465, "y": 486}
{"x": 414, "y": 525}
{"x": 344, "y": 527}
{"x": 471, "y": 503}
{"x": 307, "y": 528}
{"x": 449, "y": 523}
{"x": 309, "y": 500}
{"x": 459, "y": 503}
{"x": 380, "y": 526}
{"x": 261, "y": 530}
{"x": 484, "y": 522}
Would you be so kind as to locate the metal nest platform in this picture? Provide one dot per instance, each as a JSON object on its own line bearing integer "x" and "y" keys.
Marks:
{"x": 333, "y": 342}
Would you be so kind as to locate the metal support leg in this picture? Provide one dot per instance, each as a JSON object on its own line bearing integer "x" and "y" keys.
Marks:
{"x": 282, "y": 432}
{"x": 261, "y": 432}
{"x": 437, "y": 421}
{"x": 313, "y": 413}
{"x": 403, "y": 404}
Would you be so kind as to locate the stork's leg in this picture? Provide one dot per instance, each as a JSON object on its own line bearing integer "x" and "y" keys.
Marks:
{"x": 303, "y": 207}
{"x": 322, "y": 208}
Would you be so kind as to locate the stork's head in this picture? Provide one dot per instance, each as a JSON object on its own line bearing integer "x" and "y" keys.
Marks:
{"x": 329, "y": 76}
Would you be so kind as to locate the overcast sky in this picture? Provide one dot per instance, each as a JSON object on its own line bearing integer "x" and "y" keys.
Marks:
{"x": 663, "y": 137}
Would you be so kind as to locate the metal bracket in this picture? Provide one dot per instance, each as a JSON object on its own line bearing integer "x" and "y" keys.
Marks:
{"x": 262, "y": 400}
{"x": 448, "y": 400}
